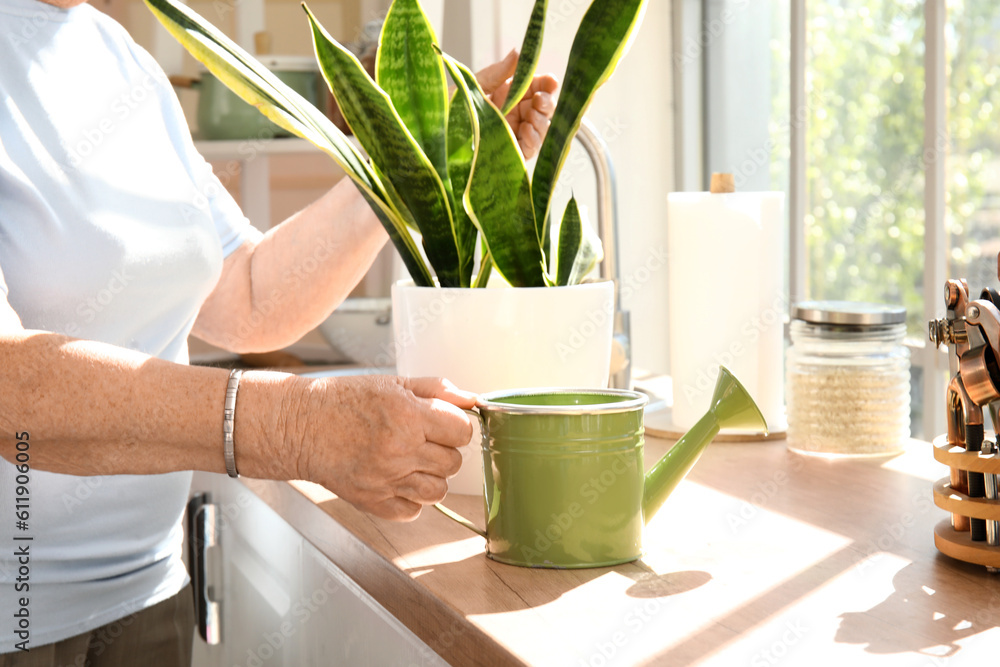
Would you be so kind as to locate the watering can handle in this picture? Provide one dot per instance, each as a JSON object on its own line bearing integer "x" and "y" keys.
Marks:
{"x": 454, "y": 516}
{"x": 459, "y": 519}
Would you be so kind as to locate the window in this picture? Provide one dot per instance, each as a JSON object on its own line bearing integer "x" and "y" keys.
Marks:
{"x": 890, "y": 191}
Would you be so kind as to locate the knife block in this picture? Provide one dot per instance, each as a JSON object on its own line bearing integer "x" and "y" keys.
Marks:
{"x": 959, "y": 544}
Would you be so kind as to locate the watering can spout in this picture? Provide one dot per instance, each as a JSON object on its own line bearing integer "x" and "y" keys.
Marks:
{"x": 731, "y": 407}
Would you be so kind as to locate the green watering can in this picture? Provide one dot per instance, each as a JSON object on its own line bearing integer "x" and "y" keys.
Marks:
{"x": 564, "y": 472}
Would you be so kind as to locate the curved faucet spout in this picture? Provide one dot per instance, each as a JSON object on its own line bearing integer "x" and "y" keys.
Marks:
{"x": 607, "y": 229}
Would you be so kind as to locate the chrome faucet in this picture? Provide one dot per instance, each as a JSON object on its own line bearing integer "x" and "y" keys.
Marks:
{"x": 607, "y": 229}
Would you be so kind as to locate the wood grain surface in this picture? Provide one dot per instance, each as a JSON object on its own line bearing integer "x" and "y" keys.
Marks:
{"x": 761, "y": 557}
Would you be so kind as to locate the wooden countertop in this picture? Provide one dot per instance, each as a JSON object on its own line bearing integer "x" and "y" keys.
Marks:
{"x": 761, "y": 557}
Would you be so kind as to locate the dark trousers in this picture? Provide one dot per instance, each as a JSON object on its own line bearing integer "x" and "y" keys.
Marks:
{"x": 159, "y": 636}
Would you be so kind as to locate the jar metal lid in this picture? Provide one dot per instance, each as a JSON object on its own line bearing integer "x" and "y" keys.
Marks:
{"x": 856, "y": 313}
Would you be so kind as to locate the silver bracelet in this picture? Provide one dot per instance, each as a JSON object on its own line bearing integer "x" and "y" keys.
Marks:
{"x": 228, "y": 422}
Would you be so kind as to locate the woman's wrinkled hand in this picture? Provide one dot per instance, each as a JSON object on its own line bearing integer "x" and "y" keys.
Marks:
{"x": 385, "y": 444}
{"x": 530, "y": 118}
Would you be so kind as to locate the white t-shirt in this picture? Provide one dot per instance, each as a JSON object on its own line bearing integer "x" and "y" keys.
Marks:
{"x": 112, "y": 228}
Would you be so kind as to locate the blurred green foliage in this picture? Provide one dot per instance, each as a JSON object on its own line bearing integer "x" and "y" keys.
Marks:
{"x": 973, "y": 215}
{"x": 865, "y": 148}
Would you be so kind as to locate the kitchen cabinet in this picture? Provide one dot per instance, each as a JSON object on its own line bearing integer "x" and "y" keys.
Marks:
{"x": 280, "y": 601}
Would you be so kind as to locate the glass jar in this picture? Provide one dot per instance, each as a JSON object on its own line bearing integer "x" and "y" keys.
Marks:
{"x": 848, "y": 379}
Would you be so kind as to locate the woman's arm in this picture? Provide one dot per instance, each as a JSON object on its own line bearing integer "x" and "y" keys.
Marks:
{"x": 272, "y": 293}
{"x": 385, "y": 444}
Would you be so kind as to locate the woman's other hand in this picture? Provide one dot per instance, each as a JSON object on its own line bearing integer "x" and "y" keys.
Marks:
{"x": 530, "y": 118}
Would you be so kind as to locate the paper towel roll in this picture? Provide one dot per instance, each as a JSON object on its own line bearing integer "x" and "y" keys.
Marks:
{"x": 727, "y": 301}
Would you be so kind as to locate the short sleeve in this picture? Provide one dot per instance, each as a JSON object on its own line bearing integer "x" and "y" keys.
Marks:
{"x": 231, "y": 225}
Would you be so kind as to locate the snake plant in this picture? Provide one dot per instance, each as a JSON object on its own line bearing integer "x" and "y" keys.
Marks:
{"x": 444, "y": 168}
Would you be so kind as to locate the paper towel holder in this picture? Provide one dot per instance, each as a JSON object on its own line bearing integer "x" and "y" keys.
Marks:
{"x": 722, "y": 183}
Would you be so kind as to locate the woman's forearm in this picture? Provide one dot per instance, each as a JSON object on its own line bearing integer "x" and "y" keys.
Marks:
{"x": 92, "y": 408}
{"x": 273, "y": 293}
{"x": 384, "y": 443}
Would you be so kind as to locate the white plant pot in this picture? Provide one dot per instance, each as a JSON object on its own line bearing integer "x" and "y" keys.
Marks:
{"x": 503, "y": 338}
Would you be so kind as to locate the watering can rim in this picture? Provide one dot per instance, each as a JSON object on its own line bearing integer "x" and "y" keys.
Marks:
{"x": 492, "y": 401}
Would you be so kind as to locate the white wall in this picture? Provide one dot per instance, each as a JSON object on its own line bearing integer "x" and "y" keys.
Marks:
{"x": 736, "y": 69}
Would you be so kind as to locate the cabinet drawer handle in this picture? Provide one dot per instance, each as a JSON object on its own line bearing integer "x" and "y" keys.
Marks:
{"x": 202, "y": 535}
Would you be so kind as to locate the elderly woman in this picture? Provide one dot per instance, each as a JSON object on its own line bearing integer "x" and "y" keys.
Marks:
{"x": 116, "y": 243}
